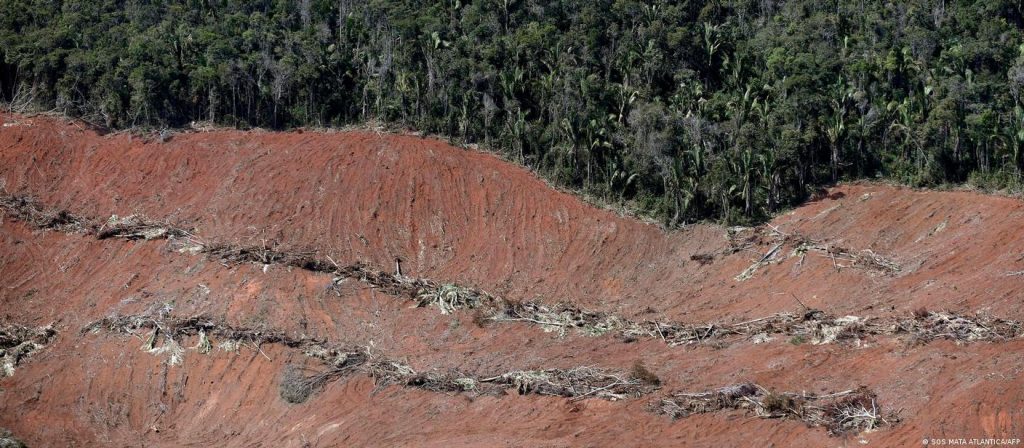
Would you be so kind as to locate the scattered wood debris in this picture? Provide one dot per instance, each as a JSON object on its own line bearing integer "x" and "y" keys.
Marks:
{"x": 800, "y": 246}
{"x": 814, "y": 326}
{"x": 18, "y": 343}
{"x": 137, "y": 227}
{"x": 298, "y": 383}
{"x": 28, "y": 210}
{"x": 132, "y": 227}
{"x": 850, "y": 411}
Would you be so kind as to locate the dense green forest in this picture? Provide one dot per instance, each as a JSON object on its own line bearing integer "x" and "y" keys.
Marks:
{"x": 686, "y": 110}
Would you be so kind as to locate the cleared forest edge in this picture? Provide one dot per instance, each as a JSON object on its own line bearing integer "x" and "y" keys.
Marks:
{"x": 808, "y": 325}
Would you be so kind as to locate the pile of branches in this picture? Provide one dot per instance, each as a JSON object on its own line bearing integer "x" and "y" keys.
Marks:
{"x": 204, "y": 326}
{"x": 449, "y": 297}
{"x": 811, "y": 325}
{"x": 576, "y": 383}
{"x": 926, "y": 326}
{"x": 799, "y": 246}
{"x": 850, "y": 411}
{"x": 446, "y": 297}
{"x": 298, "y": 383}
{"x": 27, "y": 210}
{"x": 137, "y": 227}
{"x": 18, "y": 342}
{"x": 560, "y": 318}
{"x": 386, "y": 282}
{"x": 264, "y": 253}
{"x": 132, "y": 227}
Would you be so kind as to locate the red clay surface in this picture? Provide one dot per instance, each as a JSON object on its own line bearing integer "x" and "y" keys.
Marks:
{"x": 461, "y": 216}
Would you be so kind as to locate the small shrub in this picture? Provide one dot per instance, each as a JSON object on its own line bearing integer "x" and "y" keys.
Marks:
{"x": 295, "y": 387}
{"x": 777, "y": 403}
{"x": 640, "y": 372}
{"x": 481, "y": 318}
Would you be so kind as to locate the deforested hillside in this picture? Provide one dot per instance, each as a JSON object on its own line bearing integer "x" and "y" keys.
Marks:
{"x": 237, "y": 288}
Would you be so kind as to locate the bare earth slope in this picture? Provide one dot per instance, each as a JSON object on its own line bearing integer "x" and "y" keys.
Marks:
{"x": 468, "y": 218}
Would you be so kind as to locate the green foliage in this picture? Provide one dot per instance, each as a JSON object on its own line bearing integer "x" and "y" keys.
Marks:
{"x": 724, "y": 110}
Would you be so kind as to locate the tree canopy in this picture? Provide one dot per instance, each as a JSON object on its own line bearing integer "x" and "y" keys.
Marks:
{"x": 686, "y": 110}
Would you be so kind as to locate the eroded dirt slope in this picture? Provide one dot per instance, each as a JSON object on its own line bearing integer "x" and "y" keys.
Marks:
{"x": 464, "y": 217}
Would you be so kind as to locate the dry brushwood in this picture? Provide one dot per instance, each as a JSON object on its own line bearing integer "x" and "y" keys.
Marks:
{"x": 18, "y": 342}
{"x": 27, "y": 210}
{"x": 840, "y": 413}
{"x": 446, "y": 297}
{"x": 296, "y": 387}
{"x": 578, "y": 383}
{"x": 136, "y": 227}
{"x": 814, "y": 326}
{"x": 799, "y": 246}
{"x": 133, "y": 227}
{"x": 7, "y": 440}
{"x": 297, "y": 383}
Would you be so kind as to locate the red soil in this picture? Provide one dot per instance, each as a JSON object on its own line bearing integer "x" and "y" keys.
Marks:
{"x": 467, "y": 217}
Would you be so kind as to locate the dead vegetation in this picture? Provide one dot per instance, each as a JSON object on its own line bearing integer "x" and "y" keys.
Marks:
{"x": 7, "y": 440}
{"x": 780, "y": 243}
{"x": 850, "y": 411}
{"x": 29, "y": 211}
{"x": 164, "y": 335}
{"x": 446, "y": 297}
{"x": 809, "y": 326}
{"x": 132, "y": 227}
{"x": 18, "y": 343}
{"x": 814, "y": 326}
{"x": 137, "y": 227}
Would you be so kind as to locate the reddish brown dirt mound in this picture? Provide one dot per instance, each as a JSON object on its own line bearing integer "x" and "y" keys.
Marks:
{"x": 465, "y": 217}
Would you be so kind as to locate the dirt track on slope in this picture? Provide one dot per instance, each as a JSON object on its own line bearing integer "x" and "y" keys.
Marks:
{"x": 458, "y": 216}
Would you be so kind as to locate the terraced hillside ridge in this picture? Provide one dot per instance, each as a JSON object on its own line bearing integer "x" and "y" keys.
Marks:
{"x": 253, "y": 288}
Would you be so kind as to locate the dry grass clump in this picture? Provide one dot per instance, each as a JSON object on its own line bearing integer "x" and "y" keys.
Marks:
{"x": 18, "y": 343}
{"x": 850, "y": 411}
